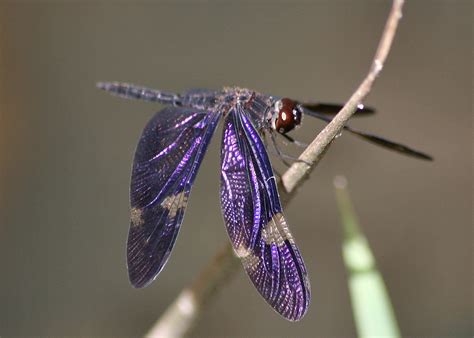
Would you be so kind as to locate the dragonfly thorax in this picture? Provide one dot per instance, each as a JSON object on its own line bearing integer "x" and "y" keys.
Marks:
{"x": 287, "y": 115}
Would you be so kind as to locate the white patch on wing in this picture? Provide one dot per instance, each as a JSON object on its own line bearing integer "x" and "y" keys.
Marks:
{"x": 136, "y": 217}
{"x": 251, "y": 262}
{"x": 174, "y": 202}
{"x": 242, "y": 251}
{"x": 276, "y": 231}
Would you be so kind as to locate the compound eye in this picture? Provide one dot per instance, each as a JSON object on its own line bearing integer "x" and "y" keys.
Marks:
{"x": 288, "y": 115}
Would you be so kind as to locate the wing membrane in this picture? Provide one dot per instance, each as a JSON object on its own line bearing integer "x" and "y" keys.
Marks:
{"x": 255, "y": 221}
{"x": 167, "y": 159}
{"x": 331, "y": 109}
{"x": 398, "y": 147}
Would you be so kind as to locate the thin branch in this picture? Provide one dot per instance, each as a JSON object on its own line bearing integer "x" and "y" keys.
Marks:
{"x": 293, "y": 177}
{"x": 181, "y": 315}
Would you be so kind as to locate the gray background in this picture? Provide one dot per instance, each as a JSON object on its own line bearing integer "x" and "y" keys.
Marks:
{"x": 66, "y": 150}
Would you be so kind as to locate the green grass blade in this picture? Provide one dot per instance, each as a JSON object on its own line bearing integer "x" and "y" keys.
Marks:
{"x": 371, "y": 306}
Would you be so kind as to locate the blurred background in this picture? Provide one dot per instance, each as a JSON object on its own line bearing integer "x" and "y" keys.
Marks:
{"x": 66, "y": 151}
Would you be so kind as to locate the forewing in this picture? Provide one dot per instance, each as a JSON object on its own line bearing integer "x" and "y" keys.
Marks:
{"x": 166, "y": 161}
{"x": 331, "y": 109}
{"x": 395, "y": 146}
{"x": 255, "y": 221}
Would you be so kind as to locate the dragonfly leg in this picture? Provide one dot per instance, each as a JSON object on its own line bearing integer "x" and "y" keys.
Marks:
{"x": 283, "y": 157}
{"x": 292, "y": 140}
{"x": 276, "y": 151}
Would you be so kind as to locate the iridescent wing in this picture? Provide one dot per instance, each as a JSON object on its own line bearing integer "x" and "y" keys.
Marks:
{"x": 166, "y": 161}
{"x": 255, "y": 222}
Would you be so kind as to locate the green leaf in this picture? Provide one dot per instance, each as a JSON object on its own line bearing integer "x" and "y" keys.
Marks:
{"x": 371, "y": 306}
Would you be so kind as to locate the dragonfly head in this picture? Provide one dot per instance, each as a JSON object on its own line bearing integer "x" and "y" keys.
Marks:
{"x": 286, "y": 116}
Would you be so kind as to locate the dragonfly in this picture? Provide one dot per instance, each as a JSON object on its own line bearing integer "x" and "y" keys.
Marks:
{"x": 167, "y": 159}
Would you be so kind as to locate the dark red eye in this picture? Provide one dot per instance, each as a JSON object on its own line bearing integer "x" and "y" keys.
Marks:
{"x": 289, "y": 115}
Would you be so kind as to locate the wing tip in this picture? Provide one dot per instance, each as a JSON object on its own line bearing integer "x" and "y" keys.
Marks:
{"x": 137, "y": 282}
{"x": 141, "y": 274}
{"x": 425, "y": 157}
{"x": 297, "y": 313}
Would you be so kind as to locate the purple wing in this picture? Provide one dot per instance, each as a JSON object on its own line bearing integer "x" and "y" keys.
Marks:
{"x": 255, "y": 221}
{"x": 166, "y": 161}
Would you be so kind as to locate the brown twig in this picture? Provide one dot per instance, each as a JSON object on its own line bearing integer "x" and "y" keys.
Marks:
{"x": 184, "y": 311}
{"x": 293, "y": 177}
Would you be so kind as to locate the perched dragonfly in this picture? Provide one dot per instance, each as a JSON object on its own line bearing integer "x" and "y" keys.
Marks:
{"x": 167, "y": 159}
